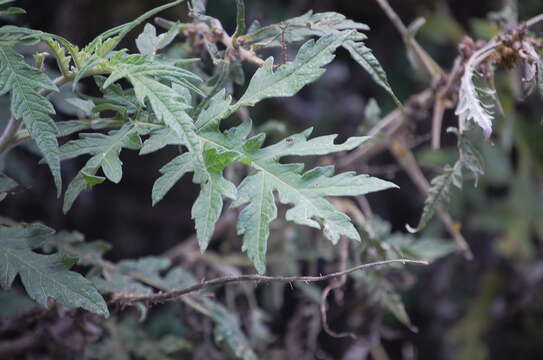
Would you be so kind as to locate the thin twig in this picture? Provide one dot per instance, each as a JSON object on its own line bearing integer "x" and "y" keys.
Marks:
{"x": 336, "y": 284}
{"x": 176, "y": 294}
{"x": 429, "y": 64}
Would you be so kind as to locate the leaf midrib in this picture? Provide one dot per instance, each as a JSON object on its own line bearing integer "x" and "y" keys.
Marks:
{"x": 8, "y": 253}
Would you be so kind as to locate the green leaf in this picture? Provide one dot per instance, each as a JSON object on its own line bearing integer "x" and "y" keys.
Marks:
{"x": 27, "y": 104}
{"x": 12, "y": 11}
{"x": 134, "y": 277}
{"x": 149, "y": 43}
{"x": 108, "y": 40}
{"x": 300, "y": 28}
{"x": 440, "y": 193}
{"x": 44, "y": 276}
{"x": 288, "y": 79}
{"x": 84, "y": 106}
{"x": 88, "y": 253}
{"x": 105, "y": 151}
{"x": 115, "y": 94}
{"x": 171, "y": 173}
{"x": 365, "y": 58}
{"x": 79, "y": 183}
{"x": 324, "y": 24}
{"x": 165, "y": 102}
{"x": 69, "y": 127}
{"x": 307, "y": 191}
{"x": 208, "y": 206}
{"x": 254, "y": 220}
{"x": 6, "y": 184}
{"x": 160, "y": 138}
{"x": 11, "y": 35}
{"x": 106, "y": 148}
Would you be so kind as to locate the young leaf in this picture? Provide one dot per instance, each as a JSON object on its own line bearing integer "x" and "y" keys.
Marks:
{"x": 44, "y": 276}
{"x": 12, "y": 11}
{"x": 27, "y": 104}
{"x": 149, "y": 43}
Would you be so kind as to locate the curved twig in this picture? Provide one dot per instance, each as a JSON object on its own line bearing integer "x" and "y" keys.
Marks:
{"x": 176, "y": 294}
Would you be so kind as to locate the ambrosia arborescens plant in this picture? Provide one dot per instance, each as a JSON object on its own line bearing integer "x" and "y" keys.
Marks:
{"x": 157, "y": 98}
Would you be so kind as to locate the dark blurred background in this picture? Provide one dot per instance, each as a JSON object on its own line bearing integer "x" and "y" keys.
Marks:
{"x": 490, "y": 308}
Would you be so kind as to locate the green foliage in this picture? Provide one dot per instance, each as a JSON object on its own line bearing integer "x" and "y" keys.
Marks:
{"x": 322, "y": 24}
{"x": 150, "y": 101}
{"x": 23, "y": 82}
{"x": 10, "y": 10}
{"x": 105, "y": 150}
{"x": 288, "y": 79}
{"x": 44, "y": 276}
{"x": 6, "y": 184}
{"x": 136, "y": 343}
{"x": 134, "y": 278}
{"x": 441, "y": 186}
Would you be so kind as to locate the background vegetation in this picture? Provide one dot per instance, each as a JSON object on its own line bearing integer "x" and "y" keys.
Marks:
{"x": 489, "y": 307}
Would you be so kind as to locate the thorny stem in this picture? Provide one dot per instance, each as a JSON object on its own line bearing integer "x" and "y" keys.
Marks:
{"x": 177, "y": 294}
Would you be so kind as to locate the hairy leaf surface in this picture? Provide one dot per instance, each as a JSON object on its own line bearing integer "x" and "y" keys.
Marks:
{"x": 27, "y": 104}
{"x": 44, "y": 276}
{"x": 288, "y": 79}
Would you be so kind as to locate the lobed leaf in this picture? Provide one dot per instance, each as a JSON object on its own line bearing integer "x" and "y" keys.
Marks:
{"x": 44, "y": 276}
{"x": 27, "y": 104}
{"x": 288, "y": 79}
{"x": 439, "y": 193}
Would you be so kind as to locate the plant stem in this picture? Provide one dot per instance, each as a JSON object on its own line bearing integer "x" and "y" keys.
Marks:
{"x": 176, "y": 294}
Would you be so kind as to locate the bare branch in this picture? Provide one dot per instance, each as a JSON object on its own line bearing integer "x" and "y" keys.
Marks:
{"x": 177, "y": 294}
